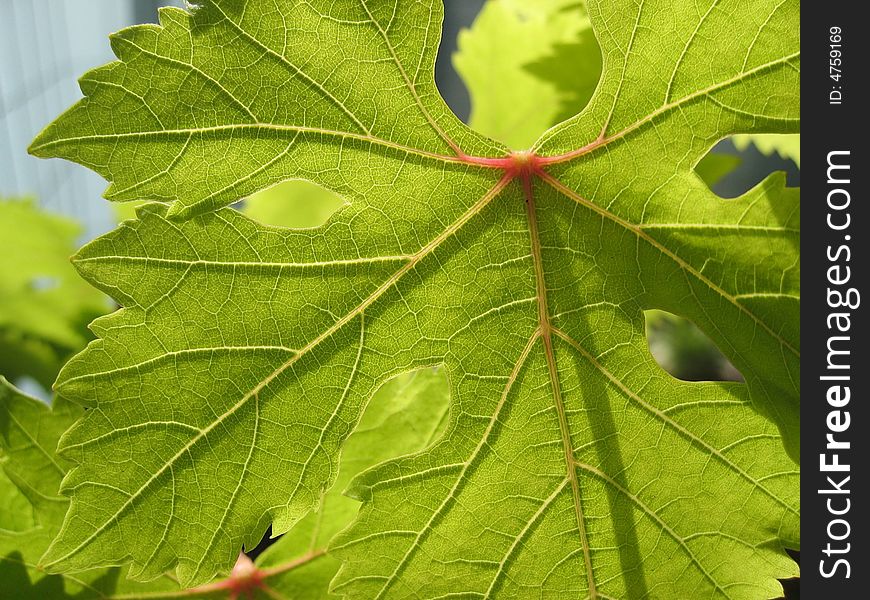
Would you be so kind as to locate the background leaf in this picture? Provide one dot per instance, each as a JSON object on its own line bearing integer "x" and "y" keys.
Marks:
{"x": 527, "y": 65}
{"x": 44, "y": 305}
{"x": 294, "y": 204}
{"x": 32, "y": 472}
{"x": 787, "y": 146}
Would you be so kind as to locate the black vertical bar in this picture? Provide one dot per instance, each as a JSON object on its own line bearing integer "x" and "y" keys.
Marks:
{"x": 834, "y": 373}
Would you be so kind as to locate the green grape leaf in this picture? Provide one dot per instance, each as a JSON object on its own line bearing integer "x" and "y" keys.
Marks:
{"x": 29, "y": 431}
{"x": 786, "y": 146}
{"x": 31, "y": 476}
{"x": 404, "y": 416}
{"x": 528, "y": 64}
{"x": 554, "y": 42}
{"x": 716, "y": 165}
{"x": 222, "y": 393}
{"x": 344, "y": 87}
{"x": 16, "y": 514}
{"x": 29, "y": 482}
{"x": 296, "y": 204}
{"x": 44, "y": 305}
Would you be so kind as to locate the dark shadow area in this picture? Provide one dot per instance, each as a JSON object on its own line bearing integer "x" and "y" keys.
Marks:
{"x": 605, "y": 432}
{"x": 266, "y": 541}
{"x": 458, "y": 14}
{"x": 792, "y": 587}
{"x": 596, "y": 392}
{"x": 753, "y": 168}
{"x": 15, "y": 583}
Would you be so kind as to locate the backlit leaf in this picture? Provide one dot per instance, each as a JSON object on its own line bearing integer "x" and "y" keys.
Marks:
{"x": 787, "y": 146}
{"x": 528, "y": 64}
{"x": 571, "y": 464}
{"x": 44, "y": 306}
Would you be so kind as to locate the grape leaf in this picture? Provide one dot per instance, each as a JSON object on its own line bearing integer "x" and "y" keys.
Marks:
{"x": 403, "y": 416}
{"x": 32, "y": 473}
{"x": 527, "y": 64}
{"x": 15, "y": 511}
{"x": 222, "y": 392}
{"x": 511, "y": 41}
{"x": 294, "y": 204}
{"x": 44, "y": 305}
{"x": 787, "y": 146}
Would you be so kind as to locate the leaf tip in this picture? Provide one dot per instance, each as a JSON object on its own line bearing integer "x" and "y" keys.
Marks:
{"x": 38, "y": 147}
{"x": 179, "y": 212}
{"x": 62, "y": 387}
{"x": 49, "y": 562}
{"x": 358, "y": 489}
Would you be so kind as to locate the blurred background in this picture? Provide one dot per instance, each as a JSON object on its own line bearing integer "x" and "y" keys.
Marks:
{"x": 50, "y": 208}
{"x": 45, "y": 46}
